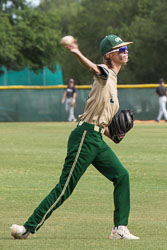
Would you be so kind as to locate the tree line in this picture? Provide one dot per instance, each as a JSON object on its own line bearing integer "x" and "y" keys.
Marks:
{"x": 30, "y": 37}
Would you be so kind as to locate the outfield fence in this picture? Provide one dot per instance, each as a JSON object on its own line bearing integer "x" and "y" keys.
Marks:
{"x": 43, "y": 103}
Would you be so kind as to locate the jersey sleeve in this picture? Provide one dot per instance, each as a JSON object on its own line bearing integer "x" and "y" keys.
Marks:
{"x": 104, "y": 72}
{"x": 74, "y": 90}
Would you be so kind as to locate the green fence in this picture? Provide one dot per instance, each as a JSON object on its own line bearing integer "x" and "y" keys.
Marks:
{"x": 44, "y": 103}
{"x": 28, "y": 77}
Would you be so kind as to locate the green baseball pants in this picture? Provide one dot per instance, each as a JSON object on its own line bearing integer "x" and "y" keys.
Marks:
{"x": 86, "y": 146}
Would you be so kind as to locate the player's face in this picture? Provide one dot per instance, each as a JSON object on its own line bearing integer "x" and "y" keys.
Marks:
{"x": 121, "y": 57}
{"x": 71, "y": 84}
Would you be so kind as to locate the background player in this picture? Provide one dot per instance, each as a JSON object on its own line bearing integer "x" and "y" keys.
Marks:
{"x": 161, "y": 91}
{"x": 69, "y": 98}
{"x": 86, "y": 145}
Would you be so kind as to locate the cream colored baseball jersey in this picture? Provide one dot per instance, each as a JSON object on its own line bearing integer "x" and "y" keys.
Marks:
{"x": 102, "y": 103}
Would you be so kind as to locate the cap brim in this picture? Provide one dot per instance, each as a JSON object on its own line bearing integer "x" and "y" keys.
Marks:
{"x": 121, "y": 45}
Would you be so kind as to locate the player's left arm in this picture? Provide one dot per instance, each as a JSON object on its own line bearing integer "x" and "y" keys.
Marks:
{"x": 64, "y": 97}
{"x": 121, "y": 123}
{"x": 107, "y": 133}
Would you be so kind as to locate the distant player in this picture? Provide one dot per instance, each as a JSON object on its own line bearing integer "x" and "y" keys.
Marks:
{"x": 161, "y": 91}
{"x": 69, "y": 98}
{"x": 86, "y": 145}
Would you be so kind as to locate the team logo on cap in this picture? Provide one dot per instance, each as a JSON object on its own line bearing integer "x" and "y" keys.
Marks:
{"x": 118, "y": 39}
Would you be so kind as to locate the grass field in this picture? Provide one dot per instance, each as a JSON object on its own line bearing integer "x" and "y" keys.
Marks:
{"x": 31, "y": 159}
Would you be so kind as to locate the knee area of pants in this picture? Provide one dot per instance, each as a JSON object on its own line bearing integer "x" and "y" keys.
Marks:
{"x": 125, "y": 174}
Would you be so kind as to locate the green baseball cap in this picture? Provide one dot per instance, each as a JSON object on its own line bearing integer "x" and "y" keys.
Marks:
{"x": 111, "y": 42}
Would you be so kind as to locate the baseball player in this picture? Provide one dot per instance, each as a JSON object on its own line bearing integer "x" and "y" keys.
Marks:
{"x": 161, "y": 91}
{"x": 86, "y": 145}
{"x": 69, "y": 98}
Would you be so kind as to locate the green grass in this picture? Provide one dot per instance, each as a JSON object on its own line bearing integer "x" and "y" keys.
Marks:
{"x": 31, "y": 159}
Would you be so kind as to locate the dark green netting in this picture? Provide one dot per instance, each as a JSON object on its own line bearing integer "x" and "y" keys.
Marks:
{"x": 28, "y": 77}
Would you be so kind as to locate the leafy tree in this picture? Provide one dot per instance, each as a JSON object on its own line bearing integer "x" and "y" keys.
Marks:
{"x": 94, "y": 20}
{"x": 142, "y": 21}
{"x": 40, "y": 38}
{"x": 31, "y": 36}
{"x": 149, "y": 31}
{"x": 9, "y": 43}
{"x": 67, "y": 11}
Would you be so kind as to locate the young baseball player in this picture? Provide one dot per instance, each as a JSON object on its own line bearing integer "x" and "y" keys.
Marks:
{"x": 86, "y": 145}
{"x": 161, "y": 92}
{"x": 69, "y": 98}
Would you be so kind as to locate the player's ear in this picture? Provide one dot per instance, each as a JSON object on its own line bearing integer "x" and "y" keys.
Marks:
{"x": 107, "y": 56}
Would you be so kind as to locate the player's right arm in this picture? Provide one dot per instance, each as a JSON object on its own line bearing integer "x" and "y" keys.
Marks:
{"x": 73, "y": 48}
{"x": 64, "y": 97}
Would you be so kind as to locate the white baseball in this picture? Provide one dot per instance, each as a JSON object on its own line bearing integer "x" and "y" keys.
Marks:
{"x": 66, "y": 40}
